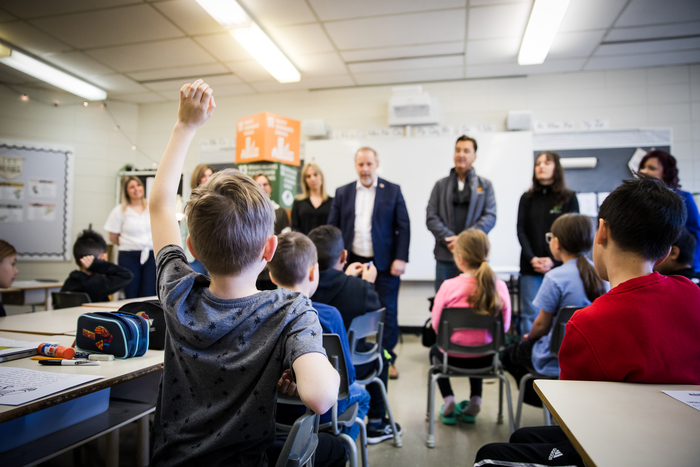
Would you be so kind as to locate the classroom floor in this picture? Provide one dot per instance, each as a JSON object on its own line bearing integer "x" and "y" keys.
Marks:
{"x": 454, "y": 445}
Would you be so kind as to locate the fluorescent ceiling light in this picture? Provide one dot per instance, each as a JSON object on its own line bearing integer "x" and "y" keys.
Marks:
{"x": 241, "y": 26}
{"x": 544, "y": 22}
{"x": 51, "y": 75}
{"x": 5, "y": 51}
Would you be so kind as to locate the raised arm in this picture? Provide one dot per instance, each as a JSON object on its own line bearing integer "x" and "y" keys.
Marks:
{"x": 317, "y": 381}
{"x": 196, "y": 106}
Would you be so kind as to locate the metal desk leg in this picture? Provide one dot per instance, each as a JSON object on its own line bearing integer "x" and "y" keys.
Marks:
{"x": 112, "y": 451}
{"x": 143, "y": 455}
{"x": 47, "y": 300}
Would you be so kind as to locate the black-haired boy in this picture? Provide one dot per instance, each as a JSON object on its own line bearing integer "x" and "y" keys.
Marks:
{"x": 96, "y": 276}
{"x": 680, "y": 261}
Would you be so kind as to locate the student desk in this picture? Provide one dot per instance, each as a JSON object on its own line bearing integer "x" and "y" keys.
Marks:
{"x": 46, "y": 323}
{"x": 30, "y": 293}
{"x": 614, "y": 424}
{"x": 134, "y": 386}
{"x": 115, "y": 305}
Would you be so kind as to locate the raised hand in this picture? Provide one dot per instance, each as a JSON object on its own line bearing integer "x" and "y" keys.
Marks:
{"x": 196, "y": 104}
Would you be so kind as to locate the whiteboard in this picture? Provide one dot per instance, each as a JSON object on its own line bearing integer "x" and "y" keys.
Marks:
{"x": 36, "y": 199}
{"x": 417, "y": 163}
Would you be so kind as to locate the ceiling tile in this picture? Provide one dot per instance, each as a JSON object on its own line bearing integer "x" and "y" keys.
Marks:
{"x": 232, "y": 90}
{"x": 485, "y": 51}
{"x": 275, "y": 13}
{"x": 153, "y": 55}
{"x": 176, "y": 84}
{"x": 138, "y": 98}
{"x": 249, "y": 70}
{"x": 180, "y": 72}
{"x": 645, "y": 12}
{"x": 116, "y": 26}
{"x": 648, "y": 47}
{"x": 190, "y": 16}
{"x": 513, "y": 69}
{"x": 584, "y": 15}
{"x": 320, "y": 64}
{"x": 36, "y": 8}
{"x": 409, "y": 76}
{"x": 492, "y": 2}
{"x": 223, "y": 46}
{"x": 304, "y": 39}
{"x": 5, "y": 16}
{"x": 403, "y": 52}
{"x": 30, "y": 39}
{"x": 117, "y": 83}
{"x": 329, "y": 10}
{"x": 407, "y": 64}
{"x": 574, "y": 44}
{"x": 388, "y": 31}
{"x": 305, "y": 83}
{"x": 78, "y": 63}
{"x": 652, "y": 32}
{"x": 497, "y": 21}
{"x": 12, "y": 76}
{"x": 643, "y": 60}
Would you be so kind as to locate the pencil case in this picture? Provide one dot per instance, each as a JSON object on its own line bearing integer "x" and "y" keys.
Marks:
{"x": 120, "y": 334}
{"x": 153, "y": 312}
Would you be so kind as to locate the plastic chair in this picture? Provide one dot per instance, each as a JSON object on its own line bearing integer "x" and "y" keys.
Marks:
{"x": 563, "y": 317}
{"x": 368, "y": 325}
{"x": 451, "y": 320}
{"x": 68, "y": 299}
{"x": 301, "y": 444}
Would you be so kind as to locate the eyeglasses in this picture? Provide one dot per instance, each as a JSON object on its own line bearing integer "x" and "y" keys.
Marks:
{"x": 548, "y": 236}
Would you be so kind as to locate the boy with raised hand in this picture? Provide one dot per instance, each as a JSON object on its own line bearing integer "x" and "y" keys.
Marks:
{"x": 227, "y": 345}
{"x": 644, "y": 330}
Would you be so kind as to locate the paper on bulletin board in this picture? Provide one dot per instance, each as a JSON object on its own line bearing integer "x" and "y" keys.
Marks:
{"x": 47, "y": 189}
{"x": 11, "y": 167}
{"x": 691, "y": 398}
{"x": 588, "y": 204}
{"x": 11, "y": 213}
{"x": 41, "y": 212}
{"x": 19, "y": 386}
{"x": 11, "y": 191}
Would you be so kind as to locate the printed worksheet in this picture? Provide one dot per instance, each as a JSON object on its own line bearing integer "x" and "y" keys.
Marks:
{"x": 691, "y": 398}
{"x": 19, "y": 386}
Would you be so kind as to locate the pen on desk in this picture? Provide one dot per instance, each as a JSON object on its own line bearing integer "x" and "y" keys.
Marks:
{"x": 47, "y": 358}
{"x": 69, "y": 362}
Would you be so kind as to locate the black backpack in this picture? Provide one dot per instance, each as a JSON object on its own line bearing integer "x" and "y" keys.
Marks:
{"x": 153, "y": 312}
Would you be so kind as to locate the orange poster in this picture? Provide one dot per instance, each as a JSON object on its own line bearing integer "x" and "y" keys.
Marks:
{"x": 267, "y": 137}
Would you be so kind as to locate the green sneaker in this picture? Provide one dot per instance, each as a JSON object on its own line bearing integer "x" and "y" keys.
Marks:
{"x": 449, "y": 419}
{"x": 459, "y": 410}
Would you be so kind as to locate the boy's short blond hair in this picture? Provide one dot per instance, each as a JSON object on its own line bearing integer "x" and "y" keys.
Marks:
{"x": 229, "y": 218}
{"x": 294, "y": 256}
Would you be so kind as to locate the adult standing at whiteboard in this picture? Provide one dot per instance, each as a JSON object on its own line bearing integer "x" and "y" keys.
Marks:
{"x": 129, "y": 227}
{"x": 462, "y": 200}
{"x": 311, "y": 208}
{"x": 372, "y": 215}
{"x": 539, "y": 207}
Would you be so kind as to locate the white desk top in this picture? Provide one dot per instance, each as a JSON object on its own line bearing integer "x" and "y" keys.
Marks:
{"x": 615, "y": 424}
{"x": 47, "y": 323}
{"x": 115, "y": 305}
{"x": 18, "y": 286}
{"x": 115, "y": 372}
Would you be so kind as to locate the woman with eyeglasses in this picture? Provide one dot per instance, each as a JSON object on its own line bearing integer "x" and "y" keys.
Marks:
{"x": 540, "y": 206}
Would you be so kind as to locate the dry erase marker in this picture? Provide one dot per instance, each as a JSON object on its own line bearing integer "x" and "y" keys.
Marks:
{"x": 95, "y": 356}
{"x": 69, "y": 363}
{"x": 47, "y": 358}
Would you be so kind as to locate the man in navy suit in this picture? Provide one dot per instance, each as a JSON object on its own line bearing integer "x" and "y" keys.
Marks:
{"x": 372, "y": 215}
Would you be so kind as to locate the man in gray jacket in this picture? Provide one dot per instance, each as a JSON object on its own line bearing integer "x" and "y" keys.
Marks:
{"x": 461, "y": 201}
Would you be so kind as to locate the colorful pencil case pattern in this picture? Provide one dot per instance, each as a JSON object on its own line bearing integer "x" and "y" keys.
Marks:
{"x": 120, "y": 334}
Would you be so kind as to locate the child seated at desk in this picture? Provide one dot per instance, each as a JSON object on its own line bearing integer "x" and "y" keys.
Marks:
{"x": 680, "y": 260}
{"x": 96, "y": 276}
{"x": 227, "y": 344}
{"x": 8, "y": 268}
{"x": 645, "y": 330}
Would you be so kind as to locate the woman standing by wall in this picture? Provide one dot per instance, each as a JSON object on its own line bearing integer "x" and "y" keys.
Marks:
{"x": 312, "y": 207}
{"x": 539, "y": 207}
{"x": 200, "y": 175}
{"x": 129, "y": 227}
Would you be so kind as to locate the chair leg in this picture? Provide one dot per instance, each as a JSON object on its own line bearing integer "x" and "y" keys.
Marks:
{"x": 431, "y": 409}
{"x": 397, "y": 436}
{"x": 521, "y": 398}
{"x": 363, "y": 440}
{"x": 500, "y": 401}
{"x": 427, "y": 409}
{"x": 547, "y": 417}
{"x": 352, "y": 449}
{"x": 511, "y": 424}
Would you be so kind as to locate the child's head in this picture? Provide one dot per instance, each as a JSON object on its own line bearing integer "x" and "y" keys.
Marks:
{"x": 572, "y": 234}
{"x": 681, "y": 256}
{"x": 329, "y": 245}
{"x": 295, "y": 263}
{"x": 89, "y": 243}
{"x": 8, "y": 260}
{"x": 230, "y": 220}
{"x": 641, "y": 217}
{"x": 471, "y": 253}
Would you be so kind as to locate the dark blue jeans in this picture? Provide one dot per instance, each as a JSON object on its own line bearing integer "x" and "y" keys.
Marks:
{"x": 444, "y": 271}
{"x": 144, "y": 282}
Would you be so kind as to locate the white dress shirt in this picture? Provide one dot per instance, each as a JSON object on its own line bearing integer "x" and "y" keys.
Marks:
{"x": 364, "y": 208}
{"x": 134, "y": 230}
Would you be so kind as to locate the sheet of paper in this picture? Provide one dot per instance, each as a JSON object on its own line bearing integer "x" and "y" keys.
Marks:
{"x": 588, "y": 204}
{"x": 19, "y": 386}
{"x": 691, "y": 398}
{"x": 601, "y": 197}
{"x": 10, "y": 346}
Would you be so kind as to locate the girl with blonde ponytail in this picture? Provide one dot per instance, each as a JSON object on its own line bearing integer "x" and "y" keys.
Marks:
{"x": 477, "y": 288}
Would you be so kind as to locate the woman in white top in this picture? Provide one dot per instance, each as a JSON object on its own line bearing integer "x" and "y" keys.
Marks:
{"x": 129, "y": 227}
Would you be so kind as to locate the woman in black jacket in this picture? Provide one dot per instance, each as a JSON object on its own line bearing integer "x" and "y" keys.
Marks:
{"x": 539, "y": 207}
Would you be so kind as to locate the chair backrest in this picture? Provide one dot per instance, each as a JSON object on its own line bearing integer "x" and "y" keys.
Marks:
{"x": 454, "y": 319}
{"x": 563, "y": 317}
{"x": 368, "y": 325}
{"x": 68, "y": 299}
{"x": 301, "y": 443}
{"x": 334, "y": 351}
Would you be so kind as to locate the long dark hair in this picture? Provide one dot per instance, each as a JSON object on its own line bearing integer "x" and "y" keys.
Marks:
{"x": 575, "y": 235}
{"x": 559, "y": 190}
{"x": 668, "y": 162}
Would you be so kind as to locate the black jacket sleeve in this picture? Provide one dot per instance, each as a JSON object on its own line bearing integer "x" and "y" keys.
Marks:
{"x": 106, "y": 279}
{"x": 523, "y": 216}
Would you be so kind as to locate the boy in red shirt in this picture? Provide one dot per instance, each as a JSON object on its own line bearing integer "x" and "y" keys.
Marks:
{"x": 643, "y": 331}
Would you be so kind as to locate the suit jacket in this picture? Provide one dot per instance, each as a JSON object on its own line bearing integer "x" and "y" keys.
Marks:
{"x": 391, "y": 228}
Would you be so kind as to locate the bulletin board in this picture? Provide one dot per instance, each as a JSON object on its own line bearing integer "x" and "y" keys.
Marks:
{"x": 36, "y": 199}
